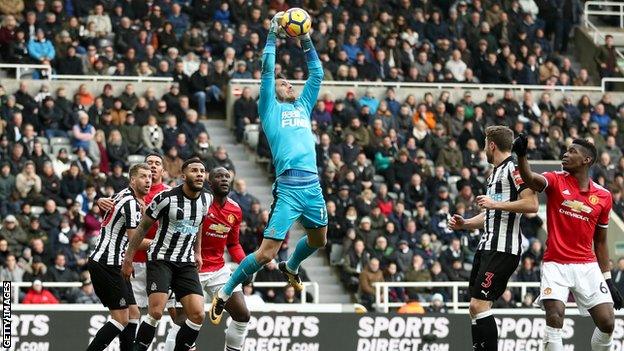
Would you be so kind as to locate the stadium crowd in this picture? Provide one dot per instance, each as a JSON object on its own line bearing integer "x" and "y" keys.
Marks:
{"x": 392, "y": 171}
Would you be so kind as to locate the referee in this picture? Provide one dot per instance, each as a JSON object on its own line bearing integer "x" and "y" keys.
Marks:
{"x": 104, "y": 264}
{"x": 174, "y": 255}
{"x": 499, "y": 250}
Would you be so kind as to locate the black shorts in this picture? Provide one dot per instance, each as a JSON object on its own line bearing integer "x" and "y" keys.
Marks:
{"x": 110, "y": 287}
{"x": 491, "y": 271}
{"x": 180, "y": 277}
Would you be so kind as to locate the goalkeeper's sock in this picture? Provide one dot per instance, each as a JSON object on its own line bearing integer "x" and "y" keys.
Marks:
{"x": 302, "y": 251}
{"x": 245, "y": 269}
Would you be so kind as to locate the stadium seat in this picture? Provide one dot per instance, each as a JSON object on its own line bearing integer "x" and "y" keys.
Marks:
{"x": 335, "y": 258}
{"x": 72, "y": 157}
{"x": 252, "y": 134}
{"x": 134, "y": 159}
{"x": 36, "y": 210}
{"x": 46, "y": 148}
{"x": 59, "y": 140}
{"x": 43, "y": 140}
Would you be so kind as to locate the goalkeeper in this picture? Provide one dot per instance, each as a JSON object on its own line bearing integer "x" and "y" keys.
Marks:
{"x": 297, "y": 192}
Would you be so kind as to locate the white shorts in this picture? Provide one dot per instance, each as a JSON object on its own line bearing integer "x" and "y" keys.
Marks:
{"x": 584, "y": 280}
{"x": 211, "y": 282}
{"x": 139, "y": 288}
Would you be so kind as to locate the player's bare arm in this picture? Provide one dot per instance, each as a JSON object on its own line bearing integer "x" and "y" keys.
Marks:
{"x": 144, "y": 244}
{"x": 602, "y": 255}
{"x": 527, "y": 203}
{"x": 134, "y": 244}
{"x": 457, "y": 222}
{"x": 533, "y": 180}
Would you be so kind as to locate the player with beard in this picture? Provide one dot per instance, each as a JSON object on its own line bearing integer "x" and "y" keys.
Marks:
{"x": 576, "y": 258}
{"x": 499, "y": 250}
{"x": 119, "y": 226}
{"x": 297, "y": 193}
{"x": 221, "y": 230}
{"x": 174, "y": 255}
{"x": 138, "y": 279}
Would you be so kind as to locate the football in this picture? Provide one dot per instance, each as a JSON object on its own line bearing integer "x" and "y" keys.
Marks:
{"x": 296, "y": 21}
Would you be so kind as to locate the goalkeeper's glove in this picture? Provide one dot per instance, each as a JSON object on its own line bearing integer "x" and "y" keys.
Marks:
{"x": 276, "y": 23}
{"x": 615, "y": 294}
{"x": 520, "y": 145}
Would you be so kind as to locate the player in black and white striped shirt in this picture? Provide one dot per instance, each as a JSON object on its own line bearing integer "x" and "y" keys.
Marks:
{"x": 174, "y": 255}
{"x": 499, "y": 250}
{"x": 104, "y": 264}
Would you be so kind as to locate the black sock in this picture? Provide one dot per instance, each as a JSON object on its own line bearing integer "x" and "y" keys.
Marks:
{"x": 476, "y": 337}
{"x": 126, "y": 338}
{"x": 144, "y": 337}
{"x": 489, "y": 332}
{"x": 104, "y": 336}
{"x": 186, "y": 337}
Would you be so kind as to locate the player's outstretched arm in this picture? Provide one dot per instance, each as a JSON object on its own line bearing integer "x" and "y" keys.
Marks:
{"x": 533, "y": 180}
{"x": 602, "y": 255}
{"x": 233, "y": 243}
{"x": 311, "y": 89}
{"x": 266, "y": 99}
{"x": 526, "y": 203}
{"x": 457, "y": 222}
{"x": 134, "y": 244}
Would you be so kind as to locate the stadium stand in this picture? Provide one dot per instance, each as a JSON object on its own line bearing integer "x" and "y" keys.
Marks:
{"x": 395, "y": 160}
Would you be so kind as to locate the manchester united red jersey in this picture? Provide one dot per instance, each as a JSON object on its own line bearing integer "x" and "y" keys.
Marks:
{"x": 221, "y": 229}
{"x": 572, "y": 218}
{"x": 141, "y": 255}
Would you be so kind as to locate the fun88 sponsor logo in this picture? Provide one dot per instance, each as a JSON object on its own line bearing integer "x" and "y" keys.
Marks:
{"x": 282, "y": 333}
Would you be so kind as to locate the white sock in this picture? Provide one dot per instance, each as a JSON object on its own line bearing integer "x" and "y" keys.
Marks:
{"x": 235, "y": 335}
{"x": 192, "y": 325}
{"x": 171, "y": 338}
{"x": 151, "y": 321}
{"x": 601, "y": 341}
{"x": 552, "y": 339}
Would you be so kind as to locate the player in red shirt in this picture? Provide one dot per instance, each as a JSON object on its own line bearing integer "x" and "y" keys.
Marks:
{"x": 220, "y": 230}
{"x": 576, "y": 257}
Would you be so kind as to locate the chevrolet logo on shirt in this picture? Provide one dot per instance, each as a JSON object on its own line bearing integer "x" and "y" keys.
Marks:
{"x": 576, "y": 206}
{"x": 219, "y": 228}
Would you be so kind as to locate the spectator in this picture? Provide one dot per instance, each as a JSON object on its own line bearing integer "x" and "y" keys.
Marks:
{"x": 15, "y": 236}
{"x": 117, "y": 180}
{"x": 437, "y": 304}
{"x": 28, "y": 184}
{"x": 83, "y": 132}
{"x": 370, "y": 275}
{"x": 40, "y": 48}
{"x": 38, "y": 295}
{"x": 417, "y": 273}
{"x": 7, "y": 186}
{"x": 505, "y": 301}
{"x": 87, "y": 294}
{"x": 289, "y": 296}
{"x": 269, "y": 273}
{"x": 59, "y": 273}
{"x": 11, "y": 271}
{"x": 606, "y": 58}
{"x": 152, "y": 135}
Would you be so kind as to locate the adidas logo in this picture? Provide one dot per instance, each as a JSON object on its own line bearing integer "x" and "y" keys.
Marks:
{"x": 566, "y": 192}
{"x": 153, "y": 287}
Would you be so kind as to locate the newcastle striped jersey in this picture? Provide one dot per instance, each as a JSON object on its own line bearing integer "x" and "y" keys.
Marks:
{"x": 179, "y": 221}
{"x": 112, "y": 243}
{"x": 502, "y": 229}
